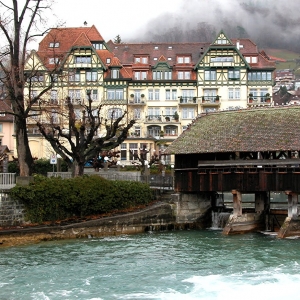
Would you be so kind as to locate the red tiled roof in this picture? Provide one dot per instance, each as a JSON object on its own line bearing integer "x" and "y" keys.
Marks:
{"x": 5, "y": 106}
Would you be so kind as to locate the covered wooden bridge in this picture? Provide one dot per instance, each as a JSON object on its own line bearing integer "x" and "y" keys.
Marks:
{"x": 253, "y": 151}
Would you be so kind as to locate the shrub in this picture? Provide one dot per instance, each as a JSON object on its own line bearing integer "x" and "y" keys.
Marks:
{"x": 51, "y": 199}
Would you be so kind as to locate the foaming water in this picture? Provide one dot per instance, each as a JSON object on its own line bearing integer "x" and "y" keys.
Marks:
{"x": 166, "y": 265}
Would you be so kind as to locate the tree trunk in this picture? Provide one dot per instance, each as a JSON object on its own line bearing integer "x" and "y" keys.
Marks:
{"x": 77, "y": 169}
{"x": 25, "y": 159}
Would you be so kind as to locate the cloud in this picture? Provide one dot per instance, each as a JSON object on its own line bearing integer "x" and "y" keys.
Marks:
{"x": 268, "y": 23}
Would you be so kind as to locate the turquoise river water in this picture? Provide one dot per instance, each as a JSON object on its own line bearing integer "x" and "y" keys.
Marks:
{"x": 159, "y": 265}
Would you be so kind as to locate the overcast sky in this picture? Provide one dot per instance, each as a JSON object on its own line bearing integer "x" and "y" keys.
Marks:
{"x": 113, "y": 17}
{"x": 273, "y": 23}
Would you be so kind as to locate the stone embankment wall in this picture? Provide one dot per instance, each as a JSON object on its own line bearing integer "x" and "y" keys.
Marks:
{"x": 11, "y": 211}
{"x": 170, "y": 213}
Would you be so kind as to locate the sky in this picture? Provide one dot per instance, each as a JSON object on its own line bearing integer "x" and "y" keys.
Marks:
{"x": 273, "y": 23}
{"x": 269, "y": 23}
{"x": 113, "y": 17}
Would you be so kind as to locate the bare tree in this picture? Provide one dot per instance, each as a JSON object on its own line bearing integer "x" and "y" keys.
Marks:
{"x": 79, "y": 142}
{"x": 18, "y": 27}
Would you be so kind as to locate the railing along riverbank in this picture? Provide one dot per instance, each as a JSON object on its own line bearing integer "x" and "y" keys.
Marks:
{"x": 7, "y": 181}
{"x": 158, "y": 181}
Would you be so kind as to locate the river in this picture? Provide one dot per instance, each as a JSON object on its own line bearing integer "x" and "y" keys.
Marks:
{"x": 172, "y": 265}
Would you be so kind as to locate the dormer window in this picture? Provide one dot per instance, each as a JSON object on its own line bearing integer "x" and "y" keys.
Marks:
{"x": 115, "y": 73}
{"x": 141, "y": 59}
{"x": 108, "y": 60}
{"x": 97, "y": 45}
{"x": 183, "y": 59}
{"x": 54, "y": 45}
{"x": 251, "y": 59}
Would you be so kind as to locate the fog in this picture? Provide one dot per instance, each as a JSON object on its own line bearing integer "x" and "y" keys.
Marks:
{"x": 269, "y": 23}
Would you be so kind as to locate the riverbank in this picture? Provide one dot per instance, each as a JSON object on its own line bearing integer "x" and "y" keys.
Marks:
{"x": 159, "y": 216}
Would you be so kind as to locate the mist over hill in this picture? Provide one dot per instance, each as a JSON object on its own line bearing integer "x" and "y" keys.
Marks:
{"x": 269, "y": 23}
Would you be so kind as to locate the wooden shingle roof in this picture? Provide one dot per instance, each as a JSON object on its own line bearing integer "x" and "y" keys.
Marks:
{"x": 269, "y": 129}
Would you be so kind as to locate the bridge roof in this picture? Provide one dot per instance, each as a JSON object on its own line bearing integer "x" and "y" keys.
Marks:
{"x": 266, "y": 129}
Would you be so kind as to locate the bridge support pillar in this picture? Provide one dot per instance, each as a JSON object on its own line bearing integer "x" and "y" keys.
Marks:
{"x": 248, "y": 222}
{"x": 237, "y": 203}
{"x": 292, "y": 204}
{"x": 260, "y": 201}
{"x": 291, "y": 225}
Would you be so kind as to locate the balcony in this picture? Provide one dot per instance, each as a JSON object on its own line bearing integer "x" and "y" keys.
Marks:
{"x": 210, "y": 101}
{"x": 187, "y": 100}
{"x": 259, "y": 100}
{"x": 114, "y": 101}
{"x": 136, "y": 102}
{"x": 168, "y": 119}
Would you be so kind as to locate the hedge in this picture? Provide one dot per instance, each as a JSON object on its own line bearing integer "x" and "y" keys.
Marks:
{"x": 52, "y": 199}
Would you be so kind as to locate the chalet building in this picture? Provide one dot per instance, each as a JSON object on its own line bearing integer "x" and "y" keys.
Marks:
{"x": 163, "y": 86}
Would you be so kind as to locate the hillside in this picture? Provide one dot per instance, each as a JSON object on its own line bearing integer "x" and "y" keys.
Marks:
{"x": 289, "y": 56}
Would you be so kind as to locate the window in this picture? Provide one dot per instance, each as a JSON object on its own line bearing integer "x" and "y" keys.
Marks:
{"x": 170, "y": 111}
{"x": 137, "y": 113}
{"x": 168, "y": 95}
{"x": 74, "y": 95}
{"x": 153, "y": 94}
{"x": 97, "y": 45}
{"x": 150, "y": 94}
{"x": 171, "y": 130}
{"x": 115, "y": 94}
{"x": 153, "y": 113}
{"x": 143, "y": 60}
{"x": 137, "y": 131}
{"x": 54, "y": 117}
{"x": 251, "y": 59}
{"x": 183, "y": 59}
{"x": 162, "y": 75}
{"x": 259, "y": 76}
{"x": 210, "y": 75}
{"x": 184, "y": 75}
{"x": 34, "y": 94}
{"x": 114, "y": 113}
{"x": 94, "y": 94}
{"x": 188, "y": 113}
{"x": 186, "y": 96}
{"x": 138, "y": 75}
{"x": 156, "y": 94}
{"x": 174, "y": 94}
{"x": 54, "y": 45}
{"x": 1, "y": 127}
{"x": 123, "y": 151}
{"x": 154, "y": 131}
{"x": 233, "y": 74}
{"x": 133, "y": 149}
{"x": 108, "y": 60}
{"x": 137, "y": 96}
{"x": 37, "y": 78}
{"x": 74, "y": 76}
{"x": 233, "y": 93}
{"x": 221, "y": 59}
{"x": 115, "y": 73}
{"x": 83, "y": 59}
{"x": 53, "y": 60}
{"x": 210, "y": 95}
{"x": 91, "y": 75}
{"x": 53, "y": 96}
